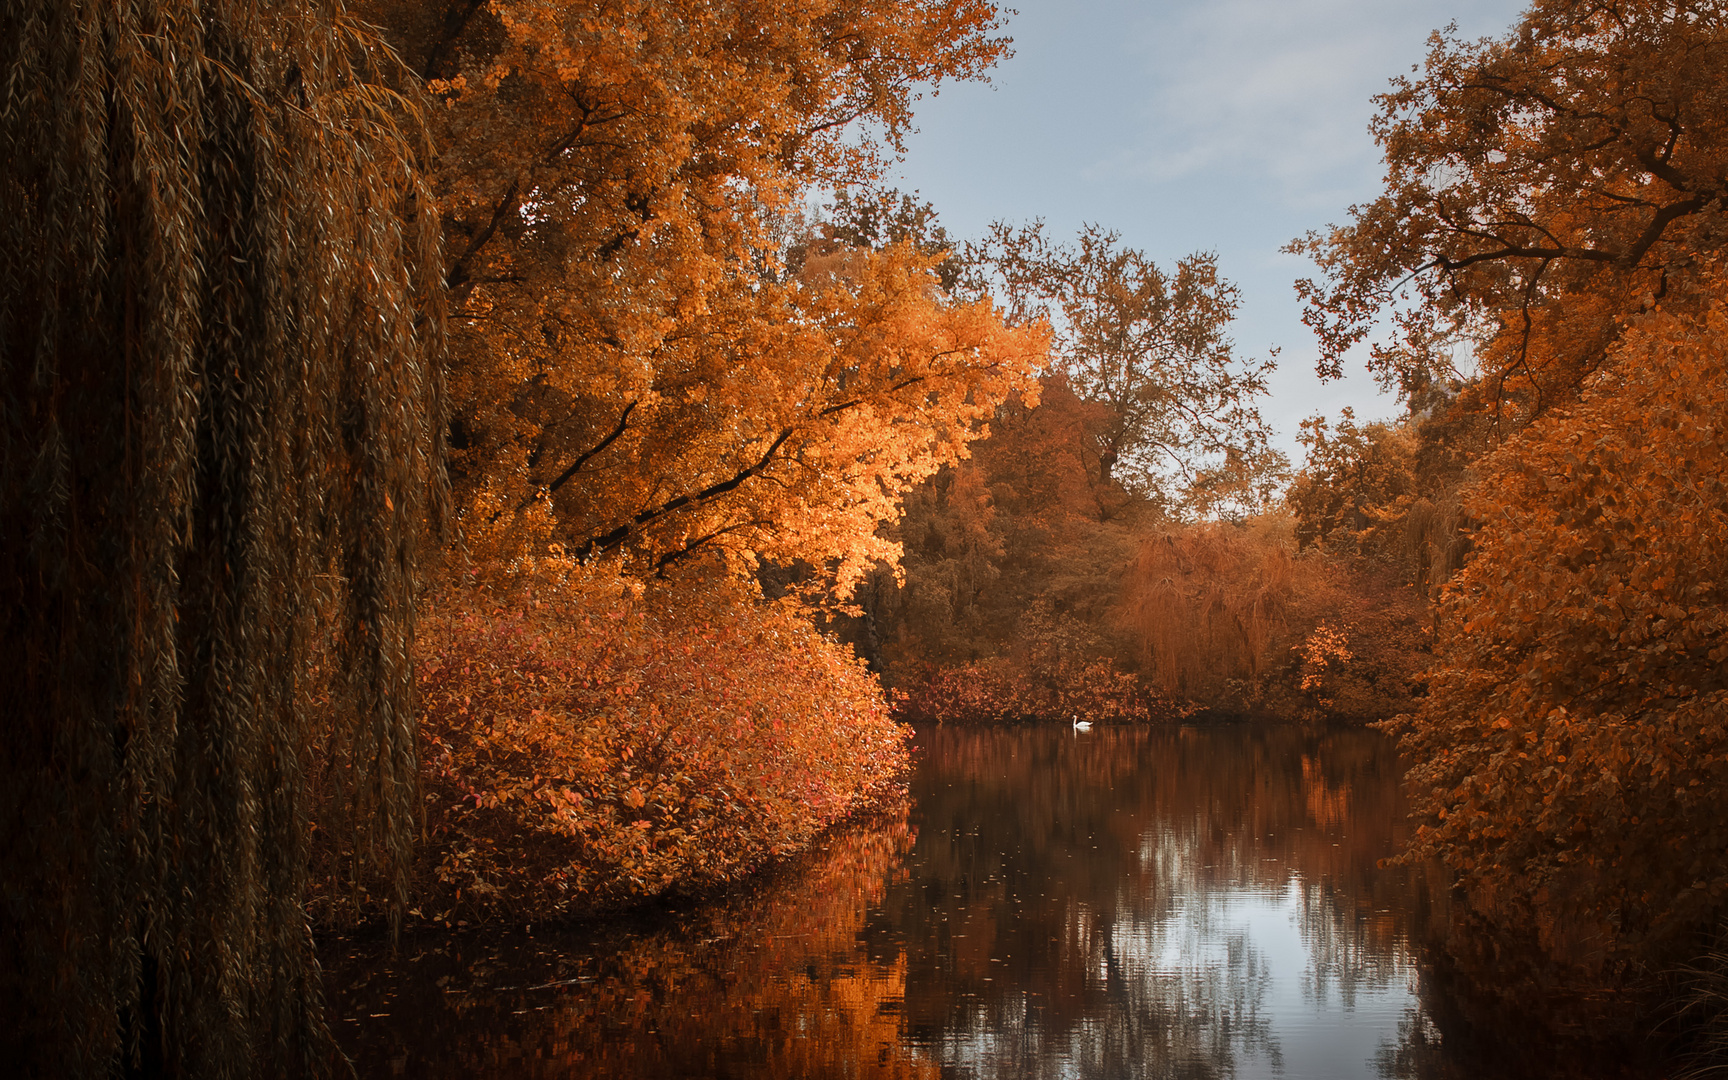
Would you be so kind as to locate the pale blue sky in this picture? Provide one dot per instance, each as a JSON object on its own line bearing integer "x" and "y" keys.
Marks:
{"x": 1223, "y": 125}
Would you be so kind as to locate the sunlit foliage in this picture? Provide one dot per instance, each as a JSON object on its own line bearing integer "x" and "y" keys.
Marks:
{"x": 659, "y": 367}
{"x": 588, "y": 743}
{"x": 220, "y": 323}
{"x": 629, "y": 342}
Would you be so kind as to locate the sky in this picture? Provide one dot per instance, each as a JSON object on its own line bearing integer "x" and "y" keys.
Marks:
{"x": 1230, "y": 126}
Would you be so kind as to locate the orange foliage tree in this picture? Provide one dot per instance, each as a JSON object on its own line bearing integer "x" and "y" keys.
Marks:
{"x": 1554, "y": 201}
{"x": 1352, "y": 477}
{"x": 1573, "y": 754}
{"x": 1151, "y": 346}
{"x": 629, "y": 344}
{"x": 642, "y": 378}
{"x": 1539, "y": 189}
{"x": 1004, "y": 612}
{"x": 589, "y": 742}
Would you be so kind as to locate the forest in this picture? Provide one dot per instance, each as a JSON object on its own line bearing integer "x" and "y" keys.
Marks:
{"x": 496, "y": 462}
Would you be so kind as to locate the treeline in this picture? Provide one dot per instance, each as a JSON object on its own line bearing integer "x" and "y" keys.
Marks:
{"x": 1034, "y": 588}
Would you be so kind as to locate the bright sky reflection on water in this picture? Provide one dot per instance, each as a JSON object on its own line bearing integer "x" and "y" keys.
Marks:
{"x": 1130, "y": 902}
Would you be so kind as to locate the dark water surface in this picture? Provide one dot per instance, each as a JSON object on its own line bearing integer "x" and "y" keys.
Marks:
{"x": 1126, "y": 902}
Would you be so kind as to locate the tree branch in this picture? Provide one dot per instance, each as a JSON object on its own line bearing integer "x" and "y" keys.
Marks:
{"x": 671, "y": 506}
{"x": 1659, "y": 224}
{"x": 458, "y": 280}
{"x": 563, "y": 477}
{"x": 666, "y": 560}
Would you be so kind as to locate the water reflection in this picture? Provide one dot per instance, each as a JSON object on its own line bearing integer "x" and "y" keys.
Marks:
{"x": 1139, "y": 902}
{"x": 1121, "y": 903}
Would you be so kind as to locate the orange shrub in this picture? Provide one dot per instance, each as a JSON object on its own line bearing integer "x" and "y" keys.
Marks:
{"x": 587, "y": 742}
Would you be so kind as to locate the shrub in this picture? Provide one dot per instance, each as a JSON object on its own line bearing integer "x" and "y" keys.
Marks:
{"x": 587, "y": 742}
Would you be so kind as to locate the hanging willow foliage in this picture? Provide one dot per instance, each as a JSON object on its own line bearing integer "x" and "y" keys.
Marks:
{"x": 219, "y": 445}
{"x": 1207, "y": 603}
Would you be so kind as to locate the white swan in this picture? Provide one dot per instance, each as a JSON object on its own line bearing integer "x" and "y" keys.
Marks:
{"x": 1082, "y": 725}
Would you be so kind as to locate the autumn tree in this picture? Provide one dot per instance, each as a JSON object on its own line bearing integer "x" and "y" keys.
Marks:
{"x": 220, "y": 326}
{"x": 1554, "y": 206}
{"x": 626, "y": 347}
{"x": 1020, "y": 522}
{"x": 1572, "y": 754}
{"x": 1152, "y": 345}
{"x": 1540, "y": 189}
{"x": 1389, "y": 491}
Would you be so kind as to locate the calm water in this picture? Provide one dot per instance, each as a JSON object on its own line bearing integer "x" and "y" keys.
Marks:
{"x": 1127, "y": 902}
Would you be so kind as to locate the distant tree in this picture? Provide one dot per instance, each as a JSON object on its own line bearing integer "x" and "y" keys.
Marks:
{"x": 877, "y": 219}
{"x": 220, "y": 425}
{"x": 1355, "y": 476}
{"x": 1153, "y": 346}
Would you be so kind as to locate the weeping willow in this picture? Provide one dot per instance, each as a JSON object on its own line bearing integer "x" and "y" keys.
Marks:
{"x": 1206, "y": 605}
{"x": 219, "y": 447}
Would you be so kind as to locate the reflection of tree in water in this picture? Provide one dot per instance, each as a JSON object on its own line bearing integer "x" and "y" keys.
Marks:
{"x": 1064, "y": 911}
{"x": 771, "y": 984}
{"x": 1056, "y": 905}
{"x": 1143, "y": 1010}
{"x": 1418, "y": 1055}
{"x": 1351, "y": 947}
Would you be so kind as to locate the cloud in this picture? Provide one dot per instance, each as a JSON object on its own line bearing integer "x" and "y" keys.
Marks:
{"x": 1278, "y": 90}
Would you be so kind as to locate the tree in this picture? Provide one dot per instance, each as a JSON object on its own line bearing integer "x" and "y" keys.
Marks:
{"x": 219, "y": 332}
{"x": 1555, "y": 201}
{"x": 1152, "y": 346}
{"x": 1540, "y": 190}
{"x": 1016, "y": 524}
{"x": 879, "y": 219}
{"x": 1572, "y": 755}
{"x": 625, "y": 345}
{"x": 1353, "y": 479}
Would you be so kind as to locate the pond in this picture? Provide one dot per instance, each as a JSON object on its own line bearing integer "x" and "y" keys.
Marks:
{"x": 1124, "y": 902}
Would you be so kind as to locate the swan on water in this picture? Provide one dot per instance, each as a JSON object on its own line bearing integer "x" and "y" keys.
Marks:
{"x": 1082, "y": 725}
